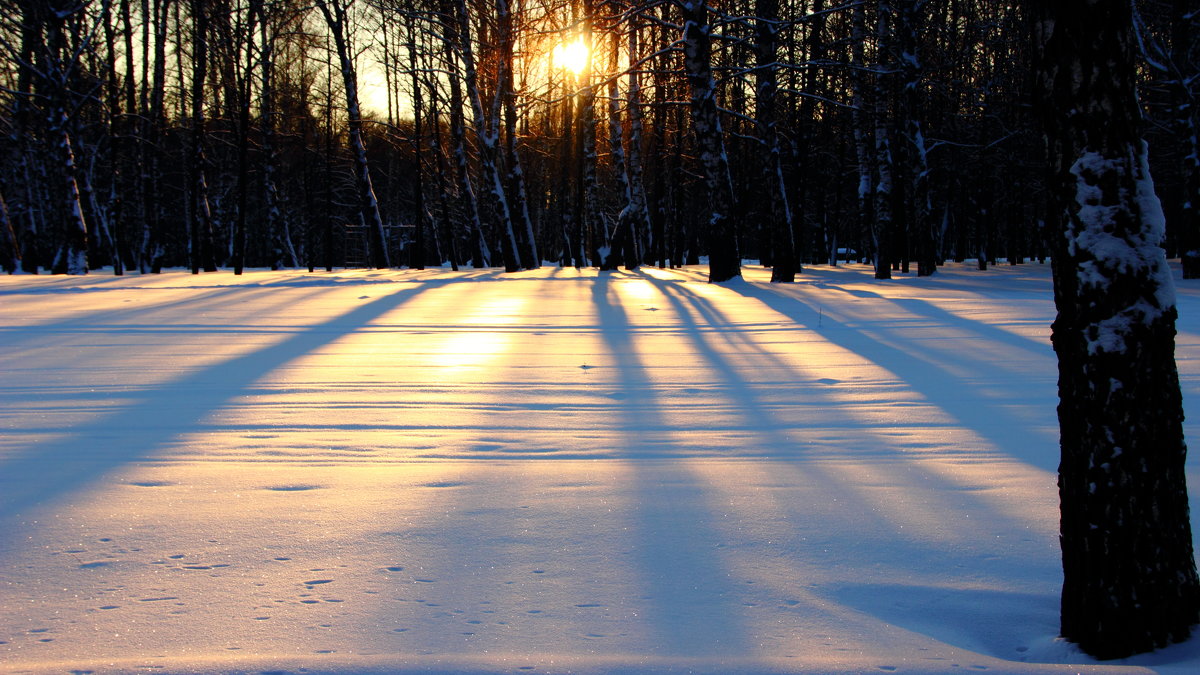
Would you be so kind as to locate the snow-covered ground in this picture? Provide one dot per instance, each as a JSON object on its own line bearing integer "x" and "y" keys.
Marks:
{"x": 550, "y": 471}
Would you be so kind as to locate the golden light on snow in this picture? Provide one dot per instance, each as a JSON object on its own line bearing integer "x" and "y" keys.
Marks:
{"x": 482, "y": 335}
{"x": 572, "y": 56}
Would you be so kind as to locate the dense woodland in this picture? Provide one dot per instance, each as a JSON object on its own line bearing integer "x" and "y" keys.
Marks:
{"x": 141, "y": 134}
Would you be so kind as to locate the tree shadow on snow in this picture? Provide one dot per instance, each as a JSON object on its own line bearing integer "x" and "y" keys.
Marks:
{"x": 1004, "y": 624}
{"x": 933, "y": 369}
{"x": 692, "y": 599}
{"x": 53, "y": 471}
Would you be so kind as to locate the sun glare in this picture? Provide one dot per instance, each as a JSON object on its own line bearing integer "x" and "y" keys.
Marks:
{"x": 572, "y": 56}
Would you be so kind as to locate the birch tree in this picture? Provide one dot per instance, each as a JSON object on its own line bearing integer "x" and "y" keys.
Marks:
{"x": 337, "y": 18}
{"x": 724, "y": 258}
{"x": 883, "y": 225}
{"x": 521, "y": 225}
{"x": 452, "y": 41}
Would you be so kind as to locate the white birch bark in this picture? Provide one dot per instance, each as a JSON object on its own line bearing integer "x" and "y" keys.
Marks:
{"x": 336, "y": 18}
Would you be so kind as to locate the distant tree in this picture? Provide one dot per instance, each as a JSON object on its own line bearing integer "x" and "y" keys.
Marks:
{"x": 1130, "y": 582}
{"x": 201, "y": 247}
{"x": 456, "y": 63}
{"x": 884, "y": 232}
{"x": 774, "y": 190}
{"x": 722, "y": 245}
{"x": 49, "y": 58}
{"x": 10, "y": 251}
{"x": 1168, "y": 36}
{"x": 337, "y": 14}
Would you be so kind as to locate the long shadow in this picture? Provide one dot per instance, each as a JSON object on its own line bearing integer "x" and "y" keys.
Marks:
{"x": 938, "y": 385}
{"x": 928, "y": 310}
{"x": 53, "y": 471}
{"x": 694, "y": 602}
{"x": 880, "y": 544}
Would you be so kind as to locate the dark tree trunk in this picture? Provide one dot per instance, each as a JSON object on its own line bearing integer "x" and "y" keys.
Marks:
{"x": 335, "y": 13}
{"x": 202, "y": 235}
{"x": 481, "y": 254}
{"x": 1130, "y": 581}
{"x": 72, "y": 256}
{"x": 724, "y": 259}
{"x": 862, "y": 121}
{"x": 783, "y": 243}
{"x": 923, "y": 241}
{"x": 883, "y": 223}
{"x": 1183, "y": 87}
{"x": 10, "y": 251}
{"x": 522, "y": 225}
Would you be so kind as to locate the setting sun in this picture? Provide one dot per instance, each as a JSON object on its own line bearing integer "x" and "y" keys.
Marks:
{"x": 572, "y": 56}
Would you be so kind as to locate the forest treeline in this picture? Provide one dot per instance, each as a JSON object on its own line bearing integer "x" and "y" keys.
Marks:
{"x": 143, "y": 134}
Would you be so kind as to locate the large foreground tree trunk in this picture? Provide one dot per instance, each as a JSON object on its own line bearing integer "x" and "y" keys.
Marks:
{"x": 1130, "y": 581}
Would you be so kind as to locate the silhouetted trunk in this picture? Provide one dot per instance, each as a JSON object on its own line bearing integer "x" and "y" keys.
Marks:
{"x": 481, "y": 254}
{"x": 522, "y": 225}
{"x": 202, "y": 235}
{"x": 10, "y": 250}
{"x": 783, "y": 244}
{"x": 724, "y": 261}
{"x": 883, "y": 224}
{"x": 1130, "y": 581}
{"x": 334, "y": 12}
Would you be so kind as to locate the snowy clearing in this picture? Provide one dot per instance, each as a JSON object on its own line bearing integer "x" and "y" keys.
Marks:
{"x": 544, "y": 472}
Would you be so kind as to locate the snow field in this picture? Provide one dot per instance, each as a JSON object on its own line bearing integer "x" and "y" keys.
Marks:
{"x": 549, "y": 471}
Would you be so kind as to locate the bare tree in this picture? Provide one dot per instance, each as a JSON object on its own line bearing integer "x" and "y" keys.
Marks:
{"x": 724, "y": 258}
{"x": 337, "y": 18}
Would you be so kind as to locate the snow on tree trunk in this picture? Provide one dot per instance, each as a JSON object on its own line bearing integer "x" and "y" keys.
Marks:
{"x": 591, "y": 231}
{"x": 74, "y": 252}
{"x": 910, "y": 23}
{"x": 783, "y": 244}
{"x": 336, "y": 19}
{"x": 487, "y": 135}
{"x": 625, "y": 237}
{"x": 481, "y": 254}
{"x": 525, "y": 238}
{"x": 861, "y": 120}
{"x": 72, "y": 255}
{"x": 724, "y": 259}
{"x": 1130, "y": 582}
{"x": 883, "y": 224}
{"x": 153, "y": 104}
{"x": 283, "y": 251}
{"x": 637, "y": 185}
